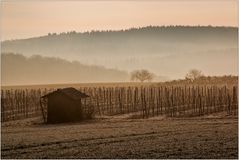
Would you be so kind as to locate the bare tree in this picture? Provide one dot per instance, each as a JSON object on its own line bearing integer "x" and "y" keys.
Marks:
{"x": 142, "y": 75}
{"x": 193, "y": 74}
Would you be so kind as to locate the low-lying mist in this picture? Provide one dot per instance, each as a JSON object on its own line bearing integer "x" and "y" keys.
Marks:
{"x": 20, "y": 70}
{"x": 169, "y": 52}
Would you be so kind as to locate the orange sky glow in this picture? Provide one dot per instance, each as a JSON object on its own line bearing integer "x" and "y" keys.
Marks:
{"x": 23, "y": 19}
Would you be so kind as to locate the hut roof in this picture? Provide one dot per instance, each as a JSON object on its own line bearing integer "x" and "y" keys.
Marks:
{"x": 69, "y": 92}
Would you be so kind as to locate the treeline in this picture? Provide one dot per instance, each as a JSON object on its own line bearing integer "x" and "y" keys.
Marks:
{"x": 150, "y": 40}
{"x": 152, "y": 29}
{"x": 207, "y": 80}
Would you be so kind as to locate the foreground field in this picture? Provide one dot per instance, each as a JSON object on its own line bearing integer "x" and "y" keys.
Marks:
{"x": 205, "y": 137}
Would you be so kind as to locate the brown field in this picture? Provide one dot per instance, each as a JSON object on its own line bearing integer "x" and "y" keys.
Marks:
{"x": 172, "y": 124}
{"x": 121, "y": 137}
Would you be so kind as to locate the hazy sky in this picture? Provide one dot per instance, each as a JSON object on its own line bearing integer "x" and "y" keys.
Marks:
{"x": 22, "y": 19}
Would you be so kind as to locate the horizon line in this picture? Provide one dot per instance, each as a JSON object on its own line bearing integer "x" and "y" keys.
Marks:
{"x": 116, "y": 30}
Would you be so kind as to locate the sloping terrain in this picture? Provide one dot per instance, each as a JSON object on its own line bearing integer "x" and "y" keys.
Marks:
{"x": 166, "y": 51}
{"x": 18, "y": 69}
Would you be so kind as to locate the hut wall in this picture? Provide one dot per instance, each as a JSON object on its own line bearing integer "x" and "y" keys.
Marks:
{"x": 63, "y": 109}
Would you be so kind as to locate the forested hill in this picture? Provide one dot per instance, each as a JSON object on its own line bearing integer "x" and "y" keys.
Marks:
{"x": 19, "y": 70}
{"x": 136, "y": 41}
{"x": 169, "y": 51}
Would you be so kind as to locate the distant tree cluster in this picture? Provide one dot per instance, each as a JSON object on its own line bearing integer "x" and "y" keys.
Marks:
{"x": 196, "y": 76}
{"x": 154, "y": 29}
{"x": 142, "y": 75}
{"x": 193, "y": 74}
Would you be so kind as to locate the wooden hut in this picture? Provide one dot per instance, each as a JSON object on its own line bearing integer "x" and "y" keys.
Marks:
{"x": 64, "y": 105}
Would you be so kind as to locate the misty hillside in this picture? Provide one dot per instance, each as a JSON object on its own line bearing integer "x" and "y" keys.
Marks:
{"x": 142, "y": 41}
{"x": 169, "y": 51}
{"x": 17, "y": 69}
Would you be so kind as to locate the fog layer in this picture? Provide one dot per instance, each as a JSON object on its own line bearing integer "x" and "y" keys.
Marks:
{"x": 168, "y": 51}
{"x": 19, "y": 70}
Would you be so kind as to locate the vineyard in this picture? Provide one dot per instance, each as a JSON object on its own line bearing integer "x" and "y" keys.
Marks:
{"x": 141, "y": 102}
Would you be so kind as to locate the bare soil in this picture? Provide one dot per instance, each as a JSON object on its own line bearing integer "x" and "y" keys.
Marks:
{"x": 121, "y": 137}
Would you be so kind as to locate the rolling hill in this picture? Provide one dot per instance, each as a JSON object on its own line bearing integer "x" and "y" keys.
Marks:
{"x": 167, "y": 50}
{"x": 19, "y": 70}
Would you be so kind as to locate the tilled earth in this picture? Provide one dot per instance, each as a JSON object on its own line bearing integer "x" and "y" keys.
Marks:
{"x": 208, "y": 137}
